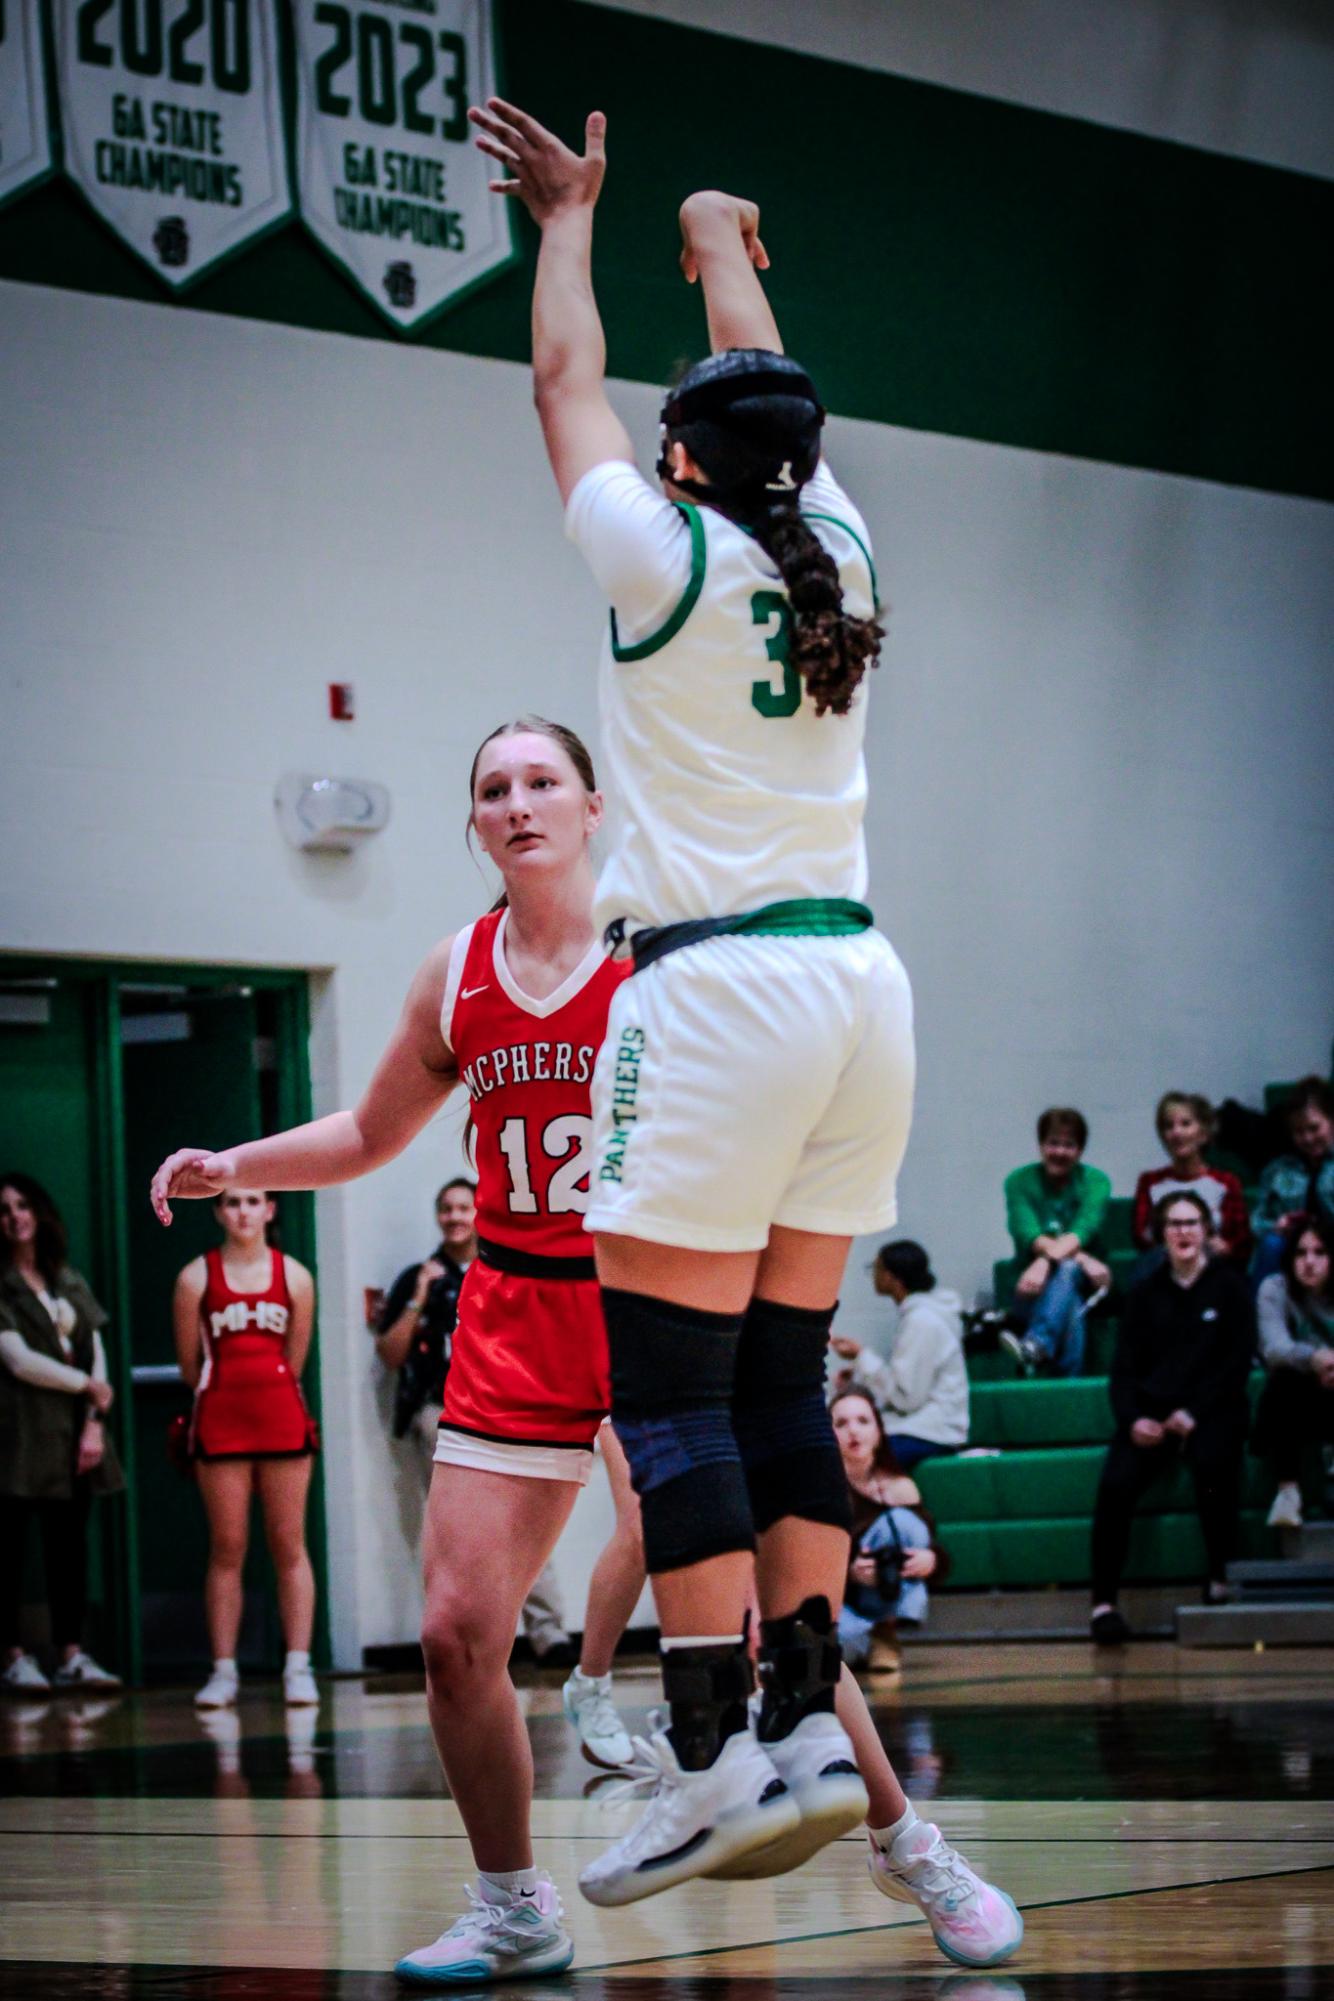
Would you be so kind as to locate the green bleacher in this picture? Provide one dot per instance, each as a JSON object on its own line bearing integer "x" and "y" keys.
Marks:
{"x": 1021, "y": 1513}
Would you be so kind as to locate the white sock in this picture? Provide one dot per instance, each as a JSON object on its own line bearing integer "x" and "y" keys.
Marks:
{"x": 499, "y": 1886}
{"x": 885, "y": 1837}
{"x": 295, "y": 1659}
{"x": 701, "y": 1640}
{"x": 225, "y": 1665}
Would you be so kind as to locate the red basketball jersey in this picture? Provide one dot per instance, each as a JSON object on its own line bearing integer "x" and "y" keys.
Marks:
{"x": 527, "y": 1065}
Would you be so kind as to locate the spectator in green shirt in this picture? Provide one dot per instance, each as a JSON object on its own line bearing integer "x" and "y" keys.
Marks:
{"x": 1055, "y": 1209}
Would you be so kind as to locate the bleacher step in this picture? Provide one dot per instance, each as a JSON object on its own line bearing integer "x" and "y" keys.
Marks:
{"x": 1046, "y": 1614}
{"x": 1295, "y": 1577}
{"x": 1269, "y": 1623}
{"x": 1312, "y": 1539}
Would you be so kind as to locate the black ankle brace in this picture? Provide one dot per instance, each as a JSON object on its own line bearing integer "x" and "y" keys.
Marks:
{"x": 800, "y": 1664}
{"x": 707, "y": 1689}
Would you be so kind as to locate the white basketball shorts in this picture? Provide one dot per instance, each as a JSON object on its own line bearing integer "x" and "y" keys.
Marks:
{"x": 748, "y": 1081}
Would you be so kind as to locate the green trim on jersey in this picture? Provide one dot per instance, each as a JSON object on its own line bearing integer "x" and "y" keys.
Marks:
{"x": 802, "y": 917}
{"x": 689, "y": 597}
{"x": 848, "y": 529}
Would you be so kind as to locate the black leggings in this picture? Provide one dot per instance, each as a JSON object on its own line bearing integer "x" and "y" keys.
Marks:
{"x": 1294, "y": 1412}
{"x": 64, "y": 1530}
{"x": 1213, "y": 1453}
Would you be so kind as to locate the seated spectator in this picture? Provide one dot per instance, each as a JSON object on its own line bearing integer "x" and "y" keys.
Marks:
{"x": 922, "y": 1389}
{"x": 894, "y": 1547}
{"x": 1178, "y": 1390}
{"x": 1186, "y": 1124}
{"x": 413, "y": 1335}
{"x": 1054, "y": 1209}
{"x": 1295, "y": 1308}
{"x": 1299, "y": 1183}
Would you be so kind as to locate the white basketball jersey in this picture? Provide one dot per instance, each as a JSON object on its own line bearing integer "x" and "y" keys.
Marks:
{"x": 726, "y": 791}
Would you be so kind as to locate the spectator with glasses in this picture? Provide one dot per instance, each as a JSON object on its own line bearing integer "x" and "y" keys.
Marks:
{"x": 1178, "y": 1391}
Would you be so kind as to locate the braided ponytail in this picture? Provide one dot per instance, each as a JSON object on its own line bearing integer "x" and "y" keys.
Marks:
{"x": 831, "y": 649}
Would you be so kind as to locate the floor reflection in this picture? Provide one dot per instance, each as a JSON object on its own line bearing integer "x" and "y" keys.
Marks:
{"x": 1236, "y": 1748}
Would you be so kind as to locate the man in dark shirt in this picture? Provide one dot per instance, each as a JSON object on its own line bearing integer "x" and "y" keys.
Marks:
{"x": 1178, "y": 1388}
{"x": 417, "y": 1320}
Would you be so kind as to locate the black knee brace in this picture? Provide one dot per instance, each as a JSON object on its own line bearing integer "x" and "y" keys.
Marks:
{"x": 781, "y": 1420}
{"x": 671, "y": 1387}
{"x": 800, "y": 1665}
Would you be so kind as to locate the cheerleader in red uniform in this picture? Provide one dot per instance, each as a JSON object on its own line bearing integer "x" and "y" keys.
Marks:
{"x": 242, "y": 1317}
{"x": 514, "y": 1007}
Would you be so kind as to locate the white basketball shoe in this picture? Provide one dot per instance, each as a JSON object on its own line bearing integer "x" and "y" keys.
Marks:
{"x": 817, "y": 1764}
{"x": 501, "y": 1936}
{"x": 220, "y": 1690}
{"x": 694, "y": 1821}
{"x": 603, "y": 1738}
{"x": 974, "y": 1923}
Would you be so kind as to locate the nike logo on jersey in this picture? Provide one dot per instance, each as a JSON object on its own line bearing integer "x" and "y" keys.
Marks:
{"x": 466, "y": 993}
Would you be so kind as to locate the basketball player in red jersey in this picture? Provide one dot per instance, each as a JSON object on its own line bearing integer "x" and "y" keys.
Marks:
{"x": 242, "y": 1318}
{"x": 515, "y": 1008}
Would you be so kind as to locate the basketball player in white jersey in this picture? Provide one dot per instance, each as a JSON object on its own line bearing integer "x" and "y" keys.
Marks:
{"x": 752, "y": 1099}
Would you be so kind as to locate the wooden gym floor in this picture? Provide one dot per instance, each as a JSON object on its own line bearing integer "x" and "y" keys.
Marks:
{"x": 1166, "y": 1820}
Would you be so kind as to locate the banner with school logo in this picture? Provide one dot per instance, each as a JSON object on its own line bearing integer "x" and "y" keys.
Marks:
{"x": 173, "y": 124}
{"x": 25, "y": 125}
{"x": 389, "y": 181}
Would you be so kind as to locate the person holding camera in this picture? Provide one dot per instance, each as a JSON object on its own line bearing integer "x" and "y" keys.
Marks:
{"x": 894, "y": 1548}
{"x": 416, "y": 1322}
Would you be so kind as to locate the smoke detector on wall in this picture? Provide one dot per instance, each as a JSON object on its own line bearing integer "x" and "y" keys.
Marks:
{"x": 329, "y": 815}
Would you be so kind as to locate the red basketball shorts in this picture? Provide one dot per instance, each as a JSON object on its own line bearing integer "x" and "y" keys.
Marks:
{"x": 529, "y": 1379}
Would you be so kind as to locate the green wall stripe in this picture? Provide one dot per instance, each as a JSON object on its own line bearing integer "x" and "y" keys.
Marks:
{"x": 942, "y": 261}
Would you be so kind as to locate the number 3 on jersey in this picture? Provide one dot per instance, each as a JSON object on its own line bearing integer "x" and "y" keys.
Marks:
{"x": 785, "y": 699}
{"x": 568, "y": 1139}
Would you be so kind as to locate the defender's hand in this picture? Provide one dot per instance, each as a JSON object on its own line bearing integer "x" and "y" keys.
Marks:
{"x": 190, "y": 1174}
{"x": 711, "y": 209}
{"x": 546, "y": 174}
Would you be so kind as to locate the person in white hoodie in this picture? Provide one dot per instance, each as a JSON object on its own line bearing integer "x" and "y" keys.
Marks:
{"x": 922, "y": 1386}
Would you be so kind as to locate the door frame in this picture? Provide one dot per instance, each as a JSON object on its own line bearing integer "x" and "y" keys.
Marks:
{"x": 103, "y": 979}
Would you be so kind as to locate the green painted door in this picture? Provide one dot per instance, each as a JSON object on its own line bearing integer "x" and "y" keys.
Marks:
{"x": 103, "y": 1071}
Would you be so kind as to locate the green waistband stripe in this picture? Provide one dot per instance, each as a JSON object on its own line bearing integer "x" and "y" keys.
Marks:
{"x": 803, "y": 917}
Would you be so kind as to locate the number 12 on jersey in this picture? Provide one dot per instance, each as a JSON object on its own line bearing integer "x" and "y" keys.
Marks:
{"x": 568, "y": 1139}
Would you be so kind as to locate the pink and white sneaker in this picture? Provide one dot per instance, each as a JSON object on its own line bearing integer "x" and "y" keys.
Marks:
{"x": 974, "y": 1923}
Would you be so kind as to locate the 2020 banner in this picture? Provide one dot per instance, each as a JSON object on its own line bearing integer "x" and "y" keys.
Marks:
{"x": 173, "y": 124}
{"x": 389, "y": 182}
{"x": 25, "y": 126}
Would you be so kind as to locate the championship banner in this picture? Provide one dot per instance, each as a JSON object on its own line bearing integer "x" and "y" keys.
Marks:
{"x": 173, "y": 124}
{"x": 389, "y": 181}
{"x": 25, "y": 125}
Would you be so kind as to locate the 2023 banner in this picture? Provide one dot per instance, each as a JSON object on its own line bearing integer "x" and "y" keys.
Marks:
{"x": 391, "y": 185}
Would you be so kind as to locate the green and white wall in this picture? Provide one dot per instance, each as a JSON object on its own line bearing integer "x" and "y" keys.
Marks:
{"x": 1059, "y": 270}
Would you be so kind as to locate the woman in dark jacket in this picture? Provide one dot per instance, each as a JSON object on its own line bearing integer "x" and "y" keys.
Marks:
{"x": 1178, "y": 1387}
{"x": 54, "y": 1453}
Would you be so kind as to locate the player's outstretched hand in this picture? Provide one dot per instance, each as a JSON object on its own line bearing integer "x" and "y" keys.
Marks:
{"x": 705, "y": 214}
{"x": 546, "y": 174}
{"x": 189, "y": 1173}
